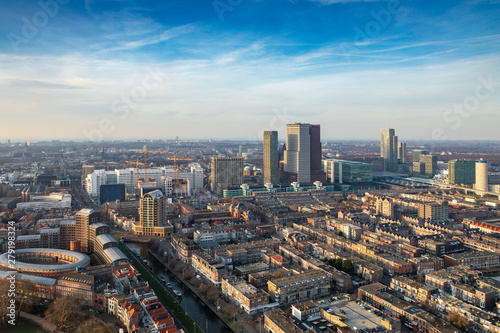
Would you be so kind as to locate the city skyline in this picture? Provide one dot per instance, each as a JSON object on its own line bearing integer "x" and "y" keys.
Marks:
{"x": 119, "y": 70}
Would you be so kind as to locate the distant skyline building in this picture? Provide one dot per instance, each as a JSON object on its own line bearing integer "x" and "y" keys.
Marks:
{"x": 302, "y": 157}
{"x": 402, "y": 152}
{"x": 428, "y": 165}
{"x": 349, "y": 172}
{"x": 461, "y": 172}
{"x": 389, "y": 148}
{"x": 271, "y": 160}
{"x": 226, "y": 172}
{"x": 86, "y": 170}
{"x": 481, "y": 175}
{"x": 416, "y": 154}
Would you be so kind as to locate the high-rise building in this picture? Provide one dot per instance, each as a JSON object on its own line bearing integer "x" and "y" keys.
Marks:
{"x": 481, "y": 175}
{"x": 416, "y": 154}
{"x": 430, "y": 163}
{"x": 271, "y": 162}
{"x": 302, "y": 156}
{"x": 402, "y": 152}
{"x": 298, "y": 152}
{"x": 350, "y": 172}
{"x": 152, "y": 218}
{"x": 226, "y": 172}
{"x": 461, "y": 172}
{"x": 86, "y": 170}
{"x": 389, "y": 148}
{"x": 84, "y": 218}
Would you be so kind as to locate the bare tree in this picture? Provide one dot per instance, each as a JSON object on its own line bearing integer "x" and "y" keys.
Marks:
{"x": 94, "y": 325}
{"x": 204, "y": 288}
{"x": 62, "y": 311}
{"x": 213, "y": 296}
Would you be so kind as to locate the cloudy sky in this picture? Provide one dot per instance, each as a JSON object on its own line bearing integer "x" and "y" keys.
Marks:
{"x": 97, "y": 69}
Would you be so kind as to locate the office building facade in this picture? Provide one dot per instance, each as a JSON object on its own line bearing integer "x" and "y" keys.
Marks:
{"x": 302, "y": 157}
{"x": 389, "y": 148}
{"x": 271, "y": 161}
{"x": 461, "y": 172}
{"x": 226, "y": 172}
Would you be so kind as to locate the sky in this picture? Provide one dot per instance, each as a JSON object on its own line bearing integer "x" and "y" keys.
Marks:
{"x": 231, "y": 69}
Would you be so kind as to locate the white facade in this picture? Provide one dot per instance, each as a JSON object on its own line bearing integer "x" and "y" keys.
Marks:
{"x": 298, "y": 152}
{"x": 481, "y": 175}
{"x": 94, "y": 181}
{"x": 218, "y": 235}
{"x": 54, "y": 200}
{"x": 160, "y": 175}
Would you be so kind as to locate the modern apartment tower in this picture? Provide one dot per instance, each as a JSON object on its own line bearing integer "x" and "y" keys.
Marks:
{"x": 226, "y": 172}
{"x": 84, "y": 218}
{"x": 389, "y": 148}
{"x": 271, "y": 160}
{"x": 461, "y": 172}
{"x": 152, "y": 213}
{"x": 481, "y": 175}
{"x": 303, "y": 153}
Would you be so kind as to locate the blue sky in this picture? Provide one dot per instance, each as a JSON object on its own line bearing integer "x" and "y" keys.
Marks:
{"x": 233, "y": 68}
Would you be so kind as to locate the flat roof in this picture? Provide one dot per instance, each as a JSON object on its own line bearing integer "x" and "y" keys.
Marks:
{"x": 32, "y": 278}
{"x": 81, "y": 260}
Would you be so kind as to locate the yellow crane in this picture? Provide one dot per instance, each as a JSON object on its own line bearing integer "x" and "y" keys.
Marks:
{"x": 146, "y": 152}
{"x": 176, "y": 167}
{"x": 137, "y": 163}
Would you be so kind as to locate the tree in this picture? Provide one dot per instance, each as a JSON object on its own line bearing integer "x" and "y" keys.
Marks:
{"x": 230, "y": 310}
{"x": 338, "y": 263}
{"x": 347, "y": 266}
{"x": 457, "y": 320}
{"x": 213, "y": 296}
{"x": 195, "y": 282}
{"x": 62, "y": 311}
{"x": 94, "y": 325}
{"x": 204, "y": 288}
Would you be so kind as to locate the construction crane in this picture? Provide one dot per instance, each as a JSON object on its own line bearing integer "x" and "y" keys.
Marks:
{"x": 176, "y": 167}
{"x": 199, "y": 195}
{"x": 137, "y": 163}
{"x": 146, "y": 152}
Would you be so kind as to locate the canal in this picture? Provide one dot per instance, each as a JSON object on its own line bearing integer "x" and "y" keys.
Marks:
{"x": 201, "y": 314}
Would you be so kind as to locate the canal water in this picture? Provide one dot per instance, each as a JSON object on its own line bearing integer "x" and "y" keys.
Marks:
{"x": 201, "y": 314}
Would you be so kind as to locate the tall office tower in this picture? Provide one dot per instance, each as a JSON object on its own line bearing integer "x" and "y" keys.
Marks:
{"x": 430, "y": 162}
{"x": 271, "y": 166}
{"x": 389, "y": 148}
{"x": 461, "y": 172}
{"x": 317, "y": 173}
{"x": 84, "y": 218}
{"x": 298, "y": 152}
{"x": 302, "y": 155}
{"x": 416, "y": 154}
{"x": 226, "y": 172}
{"x": 151, "y": 214}
{"x": 402, "y": 152}
{"x": 86, "y": 170}
{"x": 481, "y": 175}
